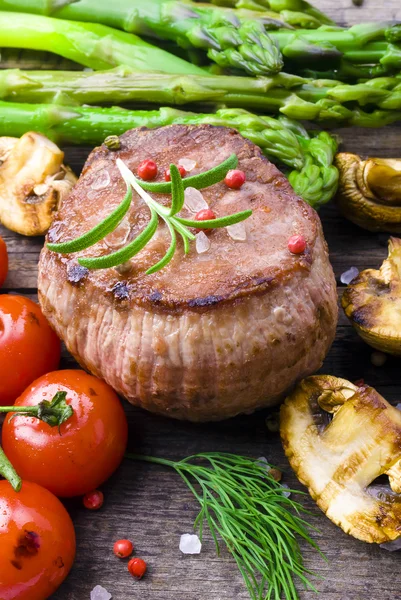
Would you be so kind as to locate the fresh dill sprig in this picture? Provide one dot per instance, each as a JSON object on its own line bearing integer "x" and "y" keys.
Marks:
{"x": 169, "y": 215}
{"x": 246, "y": 508}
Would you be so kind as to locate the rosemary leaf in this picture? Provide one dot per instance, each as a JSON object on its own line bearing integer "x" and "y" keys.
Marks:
{"x": 177, "y": 191}
{"x": 121, "y": 256}
{"x": 246, "y": 508}
{"x": 199, "y": 181}
{"x": 100, "y": 231}
{"x": 182, "y": 229}
{"x": 169, "y": 254}
{"x": 216, "y": 223}
{"x": 185, "y": 242}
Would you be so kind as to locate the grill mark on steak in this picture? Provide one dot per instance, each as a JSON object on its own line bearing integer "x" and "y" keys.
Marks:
{"x": 202, "y": 302}
{"x": 76, "y": 274}
{"x": 121, "y": 290}
{"x": 230, "y": 270}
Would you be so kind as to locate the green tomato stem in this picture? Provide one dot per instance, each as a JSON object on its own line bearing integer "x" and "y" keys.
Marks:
{"x": 27, "y": 410}
{"x": 54, "y": 412}
{"x": 8, "y": 472}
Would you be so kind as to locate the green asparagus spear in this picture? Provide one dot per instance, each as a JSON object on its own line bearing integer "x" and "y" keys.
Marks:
{"x": 369, "y": 45}
{"x": 295, "y": 12}
{"x": 94, "y": 46}
{"x": 325, "y": 101}
{"x": 287, "y": 143}
{"x": 317, "y": 179}
{"x": 232, "y": 37}
{"x": 123, "y": 85}
{"x": 230, "y": 41}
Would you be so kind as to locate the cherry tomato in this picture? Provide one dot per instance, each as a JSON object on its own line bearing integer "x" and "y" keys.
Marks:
{"x": 181, "y": 169}
{"x": 137, "y": 567}
{"x": 28, "y": 346}
{"x": 147, "y": 169}
{"x": 123, "y": 548}
{"x": 235, "y": 179}
{"x": 37, "y": 542}
{"x": 297, "y": 244}
{"x": 92, "y": 442}
{"x": 3, "y": 261}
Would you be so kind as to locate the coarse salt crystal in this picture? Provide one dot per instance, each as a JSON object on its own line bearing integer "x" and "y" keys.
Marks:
{"x": 101, "y": 181}
{"x": 188, "y": 164}
{"x": 392, "y": 546}
{"x": 237, "y": 231}
{"x": 100, "y": 593}
{"x": 194, "y": 200}
{"x": 349, "y": 275}
{"x": 202, "y": 242}
{"x": 262, "y": 462}
{"x": 190, "y": 544}
{"x": 286, "y": 491}
{"x": 117, "y": 238}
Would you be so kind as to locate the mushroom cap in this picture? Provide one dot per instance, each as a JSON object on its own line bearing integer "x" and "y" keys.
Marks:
{"x": 369, "y": 192}
{"x": 372, "y": 302}
{"x": 33, "y": 182}
{"x": 339, "y": 458}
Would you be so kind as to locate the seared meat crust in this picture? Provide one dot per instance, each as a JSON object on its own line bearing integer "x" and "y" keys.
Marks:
{"x": 211, "y": 335}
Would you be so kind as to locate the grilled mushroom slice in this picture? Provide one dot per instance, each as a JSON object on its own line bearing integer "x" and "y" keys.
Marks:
{"x": 369, "y": 192}
{"x": 33, "y": 182}
{"x": 339, "y": 438}
{"x": 372, "y": 302}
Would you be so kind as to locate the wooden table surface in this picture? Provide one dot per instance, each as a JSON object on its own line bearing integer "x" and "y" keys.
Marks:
{"x": 151, "y": 506}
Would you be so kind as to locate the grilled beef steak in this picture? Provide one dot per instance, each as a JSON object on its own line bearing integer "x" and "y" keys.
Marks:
{"x": 212, "y": 334}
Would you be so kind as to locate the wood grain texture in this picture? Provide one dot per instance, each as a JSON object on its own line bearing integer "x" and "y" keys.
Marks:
{"x": 151, "y": 506}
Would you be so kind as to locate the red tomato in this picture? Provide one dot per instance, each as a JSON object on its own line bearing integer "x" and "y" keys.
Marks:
{"x": 92, "y": 442}
{"x": 28, "y": 346}
{"x": 37, "y": 542}
{"x": 3, "y": 261}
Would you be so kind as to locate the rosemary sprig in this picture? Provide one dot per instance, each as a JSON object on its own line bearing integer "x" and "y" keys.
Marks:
{"x": 245, "y": 507}
{"x": 199, "y": 181}
{"x": 174, "y": 223}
